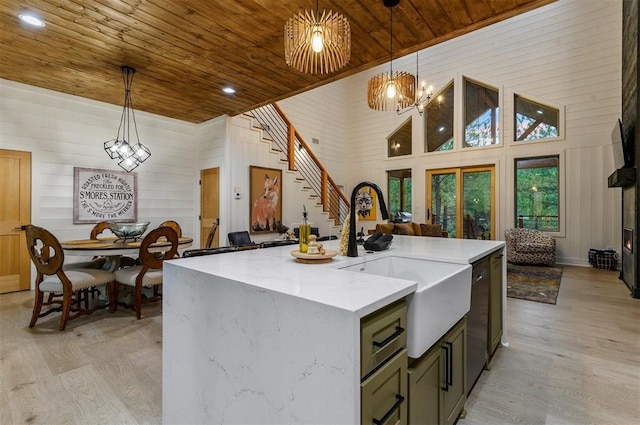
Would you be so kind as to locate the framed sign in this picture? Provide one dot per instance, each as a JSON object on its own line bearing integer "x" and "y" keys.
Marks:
{"x": 104, "y": 195}
{"x": 366, "y": 204}
{"x": 266, "y": 199}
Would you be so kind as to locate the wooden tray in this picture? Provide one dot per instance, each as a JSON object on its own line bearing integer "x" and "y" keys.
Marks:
{"x": 314, "y": 258}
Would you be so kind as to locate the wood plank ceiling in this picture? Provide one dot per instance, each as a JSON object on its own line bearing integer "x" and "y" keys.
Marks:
{"x": 186, "y": 51}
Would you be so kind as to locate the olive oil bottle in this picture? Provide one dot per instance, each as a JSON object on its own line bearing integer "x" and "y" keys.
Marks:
{"x": 304, "y": 231}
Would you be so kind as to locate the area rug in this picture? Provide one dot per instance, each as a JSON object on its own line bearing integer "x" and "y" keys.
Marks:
{"x": 533, "y": 283}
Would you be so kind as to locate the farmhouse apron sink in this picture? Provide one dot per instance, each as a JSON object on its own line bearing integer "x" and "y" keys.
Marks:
{"x": 442, "y": 298}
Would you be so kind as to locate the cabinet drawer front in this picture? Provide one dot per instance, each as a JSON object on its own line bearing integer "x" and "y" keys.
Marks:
{"x": 382, "y": 334}
{"x": 384, "y": 393}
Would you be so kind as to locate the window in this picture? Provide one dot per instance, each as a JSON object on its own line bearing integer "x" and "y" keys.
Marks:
{"x": 534, "y": 121}
{"x": 399, "y": 186}
{"x": 537, "y": 193}
{"x": 438, "y": 121}
{"x": 462, "y": 200}
{"x": 481, "y": 115}
{"x": 399, "y": 142}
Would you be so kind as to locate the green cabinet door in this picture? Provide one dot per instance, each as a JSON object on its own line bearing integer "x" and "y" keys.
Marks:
{"x": 455, "y": 392}
{"x": 426, "y": 378}
{"x": 495, "y": 302}
{"x": 437, "y": 381}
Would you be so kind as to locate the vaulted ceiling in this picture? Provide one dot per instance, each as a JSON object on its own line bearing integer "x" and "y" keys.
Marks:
{"x": 186, "y": 51}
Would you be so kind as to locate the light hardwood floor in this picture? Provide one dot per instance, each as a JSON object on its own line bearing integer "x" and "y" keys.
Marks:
{"x": 577, "y": 362}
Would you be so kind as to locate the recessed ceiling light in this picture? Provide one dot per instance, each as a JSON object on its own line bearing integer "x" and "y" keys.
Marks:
{"x": 228, "y": 90}
{"x": 31, "y": 19}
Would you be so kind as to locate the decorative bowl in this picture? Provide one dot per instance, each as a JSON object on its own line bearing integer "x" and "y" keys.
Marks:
{"x": 128, "y": 230}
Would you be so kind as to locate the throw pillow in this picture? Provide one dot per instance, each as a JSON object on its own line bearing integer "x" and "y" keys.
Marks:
{"x": 416, "y": 229}
{"x": 434, "y": 230}
{"x": 385, "y": 228}
{"x": 403, "y": 229}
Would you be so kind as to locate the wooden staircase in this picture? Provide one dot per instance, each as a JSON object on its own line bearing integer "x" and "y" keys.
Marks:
{"x": 296, "y": 153}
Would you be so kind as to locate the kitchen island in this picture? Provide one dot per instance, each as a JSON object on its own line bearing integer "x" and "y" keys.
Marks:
{"x": 255, "y": 337}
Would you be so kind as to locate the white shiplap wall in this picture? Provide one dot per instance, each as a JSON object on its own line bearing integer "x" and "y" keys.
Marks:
{"x": 567, "y": 54}
{"x": 246, "y": 148}
{"x": 64, "y": 131}
{"x": 322, "y": 114}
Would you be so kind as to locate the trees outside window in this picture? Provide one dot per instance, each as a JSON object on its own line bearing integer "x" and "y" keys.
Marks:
{"x": 537, "y": 193}
{"x": 534, "y": 121}
{"x": 438, "y": 121}
{"x": 399, "y": 186}
{"x": 481, "y": 115}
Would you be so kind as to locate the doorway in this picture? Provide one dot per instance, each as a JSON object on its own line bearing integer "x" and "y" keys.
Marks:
{"x": 15, "y": 212}
{"x": 209, "y": 205}
{"x": 463, "y": 201}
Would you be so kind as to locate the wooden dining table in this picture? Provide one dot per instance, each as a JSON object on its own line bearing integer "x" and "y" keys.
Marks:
{"x": 113, "y": 248}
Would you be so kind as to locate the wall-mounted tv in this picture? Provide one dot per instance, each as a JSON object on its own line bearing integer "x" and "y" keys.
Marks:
{"x": 622, "y": 149}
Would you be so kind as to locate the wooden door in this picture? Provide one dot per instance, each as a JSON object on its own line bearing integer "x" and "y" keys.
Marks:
{"x": 209, "y": 204}
{"x": 15, "y": 211}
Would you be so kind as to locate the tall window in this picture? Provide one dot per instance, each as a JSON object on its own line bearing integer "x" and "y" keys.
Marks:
{"x": 399, "y": 184}
{"x": 462, "y": 199}
{"x": 537, "y": 193}
{"x": 399, "y": 142}
{"x": 481, "y": 115}
{"x": 438, "y": 120}
{"x": 534, "y": 121}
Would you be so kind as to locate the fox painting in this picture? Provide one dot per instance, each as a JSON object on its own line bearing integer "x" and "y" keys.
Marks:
{"x": 364, "y": 204}
{"x": 263, "y": 216}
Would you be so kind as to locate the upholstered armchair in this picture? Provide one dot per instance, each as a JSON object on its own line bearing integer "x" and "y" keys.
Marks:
{"x": 530, "y": 246}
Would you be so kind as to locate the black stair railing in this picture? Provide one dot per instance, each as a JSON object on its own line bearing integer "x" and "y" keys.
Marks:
{"x": 301, "y": 159}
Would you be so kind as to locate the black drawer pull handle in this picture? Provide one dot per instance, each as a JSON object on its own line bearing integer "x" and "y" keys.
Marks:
{"x": 446, "y": 369}
{"x": 396, "y": 406}
{"x": 391, "y": 337}
{"x": 450, "y": 353}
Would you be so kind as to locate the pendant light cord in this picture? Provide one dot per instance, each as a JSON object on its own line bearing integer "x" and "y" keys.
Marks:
{"x": 391, "y": 41}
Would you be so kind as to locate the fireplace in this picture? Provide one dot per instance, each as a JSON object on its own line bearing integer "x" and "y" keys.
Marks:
{"x": 629, "y": 271}
{"x": 627, "y": 240}
{"x": 631, "y": 135}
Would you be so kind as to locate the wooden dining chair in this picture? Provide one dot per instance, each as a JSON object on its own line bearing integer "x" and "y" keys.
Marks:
{"x": 149, "y": 272}
{"x": 212, "y": 234}
{"x": 96, "y": 262}
{"x": 98, "y": 229}
{"x": 73, "y": 285}
{"x": 174, "y": 225}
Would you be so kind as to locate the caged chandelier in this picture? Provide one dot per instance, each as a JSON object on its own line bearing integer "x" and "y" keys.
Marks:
{"x": 389, "y": 91}
{"x": 423, "y": 96}
{"x": 120, "y": 148}
{"x": 315, "y": 43}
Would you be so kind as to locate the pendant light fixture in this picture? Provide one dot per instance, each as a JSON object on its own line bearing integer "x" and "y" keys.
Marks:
{"x": 389, "y": 91}
{"x": 120, "y": 148}
{"x": 317, "y": 43}
{"x": 422, "y": 98}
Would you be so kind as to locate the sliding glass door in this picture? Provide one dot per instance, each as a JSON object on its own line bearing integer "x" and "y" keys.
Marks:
{"x": 463, "y": 201}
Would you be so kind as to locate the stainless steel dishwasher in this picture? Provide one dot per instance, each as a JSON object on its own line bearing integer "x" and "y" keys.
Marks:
{"x": 478, "y": 322}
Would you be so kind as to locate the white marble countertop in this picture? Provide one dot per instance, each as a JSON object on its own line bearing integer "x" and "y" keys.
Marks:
{"x": 276, "y": 270}
{"x": 256, "y": 337}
